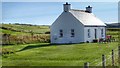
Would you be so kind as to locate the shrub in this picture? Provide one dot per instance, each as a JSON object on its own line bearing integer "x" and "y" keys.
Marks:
{"x": 95, "y": 40}
{"x": 26, "y": 39}
{"x": 47, "y": 32}
{"x": 7, "y": 51}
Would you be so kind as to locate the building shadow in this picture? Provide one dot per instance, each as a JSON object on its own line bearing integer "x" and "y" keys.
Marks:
{"x": 41, "y": 45}
{"x": 34, "y": 46}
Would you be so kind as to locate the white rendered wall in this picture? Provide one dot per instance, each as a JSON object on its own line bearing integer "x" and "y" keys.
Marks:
{"x": 66, "y": 21}
{"x": 92, "y": 33}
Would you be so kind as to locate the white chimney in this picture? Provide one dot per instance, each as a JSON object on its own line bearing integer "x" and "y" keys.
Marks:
{"x": 66, "y": 7}
{"x": 89, "y": 9}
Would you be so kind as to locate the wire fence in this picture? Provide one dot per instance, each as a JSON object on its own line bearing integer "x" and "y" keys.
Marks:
{"x": 113, "y": 59}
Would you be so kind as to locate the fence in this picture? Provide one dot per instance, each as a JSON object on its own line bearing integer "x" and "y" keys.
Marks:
{"x": 111, "y": 60}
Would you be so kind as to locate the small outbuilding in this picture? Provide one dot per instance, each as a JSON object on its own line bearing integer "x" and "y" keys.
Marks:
{"x": 75, "y": 26}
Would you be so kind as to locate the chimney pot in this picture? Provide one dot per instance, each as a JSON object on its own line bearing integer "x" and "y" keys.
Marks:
{"x": 89, "y": 9}
{"x": 66, "y": 7}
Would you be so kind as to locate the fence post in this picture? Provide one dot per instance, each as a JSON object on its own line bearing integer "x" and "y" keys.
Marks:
{"x": 86, "y": 65}
{"x": 112, "y": 58}
{"x": 103, "y": 61}
{"x": 119, "y": 54}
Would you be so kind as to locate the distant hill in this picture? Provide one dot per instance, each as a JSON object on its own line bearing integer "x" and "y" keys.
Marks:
{"x": 21, "y": 29}
{"x": 113, "y": 25}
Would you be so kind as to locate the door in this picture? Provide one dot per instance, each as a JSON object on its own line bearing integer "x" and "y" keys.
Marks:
{"x": 95, "y": 33}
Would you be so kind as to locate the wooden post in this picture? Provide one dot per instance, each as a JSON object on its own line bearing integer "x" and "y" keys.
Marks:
{"x": 103, "y": 61}
{"x": 86, "y": 65}
{"x": 112, "y": 58}
{"x": 119, "y": 54}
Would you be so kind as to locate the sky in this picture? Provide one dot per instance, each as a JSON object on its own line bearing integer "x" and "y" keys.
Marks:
{"x": 60, "y": 0}
{"x": 45, "y": 13}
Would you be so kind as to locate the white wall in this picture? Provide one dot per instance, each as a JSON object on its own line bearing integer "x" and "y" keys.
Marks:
{"x": 66, "y": 21}
{"x": 92, "y": 33}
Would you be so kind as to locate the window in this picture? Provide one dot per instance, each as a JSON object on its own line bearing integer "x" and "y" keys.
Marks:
{"x": 72, "y": 33}
{"x": 88, "y": 33}
{"x": 102, "y": 35}
{"x": 61, "y": 33}
{"x": 95, "y": 33}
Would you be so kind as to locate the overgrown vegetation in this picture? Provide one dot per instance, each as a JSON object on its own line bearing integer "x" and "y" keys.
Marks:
{"x": 24, "y": 34}
{"x": 114, "y": 32}
{"x": 13, "y": 39}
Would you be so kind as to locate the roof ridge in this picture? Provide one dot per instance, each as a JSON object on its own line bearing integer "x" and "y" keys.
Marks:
{"x": 77, "y": 10}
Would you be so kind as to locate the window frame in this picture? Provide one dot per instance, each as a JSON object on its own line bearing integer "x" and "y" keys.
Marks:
{"x": 88, "y": 33}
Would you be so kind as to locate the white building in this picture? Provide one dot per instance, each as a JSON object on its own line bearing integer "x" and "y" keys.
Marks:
{"x": 75, "y": 26}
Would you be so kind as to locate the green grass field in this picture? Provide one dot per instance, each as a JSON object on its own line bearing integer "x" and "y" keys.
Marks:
{"x": 44, "y": 54}
{"x": 24, "y": 34}
{"x": 23, "y": 29}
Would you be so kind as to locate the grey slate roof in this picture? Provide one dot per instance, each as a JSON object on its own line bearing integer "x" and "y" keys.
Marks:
{"x": 87, "y": 19}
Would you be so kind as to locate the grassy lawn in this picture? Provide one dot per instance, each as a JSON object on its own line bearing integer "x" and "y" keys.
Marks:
{"x": 44, "y": 54}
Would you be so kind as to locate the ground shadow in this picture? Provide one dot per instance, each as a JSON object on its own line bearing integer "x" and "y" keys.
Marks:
{"x": 39, "y": 45}
{"x": 34, "y": 46}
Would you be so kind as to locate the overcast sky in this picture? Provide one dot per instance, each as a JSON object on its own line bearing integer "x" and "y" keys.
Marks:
{"x": 45, "y": 13}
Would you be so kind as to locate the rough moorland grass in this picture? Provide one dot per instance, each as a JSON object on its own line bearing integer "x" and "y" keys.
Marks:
{"x": 23, "y": 34}
{"x": 3, "y": 31}
{"x": 27, "y": 28}
{"x": 44, "y": 54}
{"x": 0, "y": 61}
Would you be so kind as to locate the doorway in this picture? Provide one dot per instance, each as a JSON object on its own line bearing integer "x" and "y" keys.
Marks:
{"x": 95, "y": 33}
